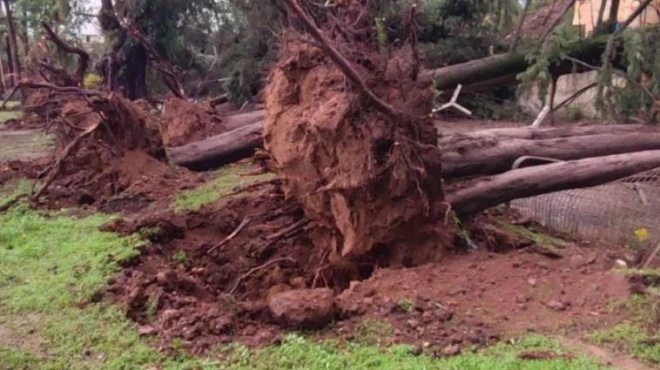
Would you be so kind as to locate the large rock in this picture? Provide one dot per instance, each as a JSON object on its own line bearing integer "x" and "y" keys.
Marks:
{"x": 303, "y": 309}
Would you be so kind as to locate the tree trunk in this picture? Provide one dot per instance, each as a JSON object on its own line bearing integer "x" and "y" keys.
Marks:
{"x": 129, "y": 70}
{"x": 549, "y": 178}
{"x": 13, "y": 45}
{"x": 494, "y": 67}
{"x": 480, "y": 153}
{"x": 124, "y": 66}
{"x": 235, "y": 121}
{"x": 10, "y": 63}
{"x": 220, "y": 149}
{"x": 542, "y": 133}
{"x": 492, "y": 156}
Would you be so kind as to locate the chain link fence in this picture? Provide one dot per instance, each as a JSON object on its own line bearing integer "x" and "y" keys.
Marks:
{"x": 626, "y": 211}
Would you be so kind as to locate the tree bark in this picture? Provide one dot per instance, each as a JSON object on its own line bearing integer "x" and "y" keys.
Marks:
{"x": 493, "y": 156}
{"x": 124, "y": 66}
{"x": 549, "y": 178}
{"x": 235, "y": 121}
{"x": 220, "y": 149}
{"x": 494, "y": 67}
{"x": 13, "y": 44}
{"x": 540, "y": 133}
{"x": 476, "y": 154}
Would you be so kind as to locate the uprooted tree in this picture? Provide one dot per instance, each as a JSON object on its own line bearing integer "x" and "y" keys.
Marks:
{"x": 347, "y": 125}
{"x": 363, "y": 161}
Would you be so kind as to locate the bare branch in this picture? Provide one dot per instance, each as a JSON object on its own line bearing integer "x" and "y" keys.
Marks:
{"x": 516, "y": 36}
{"x": 556, "y": 22}
{"x": 83, "y": 57}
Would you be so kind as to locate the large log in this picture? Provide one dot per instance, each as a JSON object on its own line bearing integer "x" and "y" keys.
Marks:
{"x": 493, "y": 68}
{"x": 232, "y": 122}
{"x": 474, "y": 154}
{"x": 481, "y": 157}
{"x": 542, "y": 133}
{"x": 219, "y": 150}
{"x": 549, "y": 178}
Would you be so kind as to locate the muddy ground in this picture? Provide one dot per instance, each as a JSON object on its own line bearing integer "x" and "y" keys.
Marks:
{"x": 198, "y": 283}
{"x": 472, "y": 298}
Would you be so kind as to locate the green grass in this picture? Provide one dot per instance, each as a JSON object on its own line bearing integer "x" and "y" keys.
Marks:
{"x": 24, "y": 145}
{"x": 536, "y": 237}
{"x": 299, "y": 353}
{"x": 640, "y": 335}
{"x": 225, "y": 181}
{"x": 50, "y": 267}
{"x": 6, "y": 115}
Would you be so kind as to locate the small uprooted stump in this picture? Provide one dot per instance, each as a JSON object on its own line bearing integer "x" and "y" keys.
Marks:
{"x": 369, "y": 181}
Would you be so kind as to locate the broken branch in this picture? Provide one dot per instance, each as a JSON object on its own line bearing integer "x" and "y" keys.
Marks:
{"x": 83, "y": 57}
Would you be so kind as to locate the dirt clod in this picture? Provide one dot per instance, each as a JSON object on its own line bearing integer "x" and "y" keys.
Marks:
{"x": 184, "y": 122}
{"x": 303, "y": 309}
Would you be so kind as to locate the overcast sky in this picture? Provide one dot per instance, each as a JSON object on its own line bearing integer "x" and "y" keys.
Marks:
{"x": 91, "y": 26}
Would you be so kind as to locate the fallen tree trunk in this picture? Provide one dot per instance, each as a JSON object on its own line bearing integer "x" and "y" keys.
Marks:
{"x": 484, "y": 152}
{"x": 232, "y": 122}
{"x": 549, "y": 178}
{"x": 481, "y": 157}
{"x": 492, "y": 68}
{"x": 538, "y": 133}
{"x": 219, "y": 150}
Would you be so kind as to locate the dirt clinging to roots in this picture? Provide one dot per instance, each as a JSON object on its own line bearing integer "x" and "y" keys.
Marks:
{"x": 369, "y": 182}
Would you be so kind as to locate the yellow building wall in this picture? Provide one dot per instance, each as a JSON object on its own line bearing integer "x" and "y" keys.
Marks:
{"x": 586, "y": 13}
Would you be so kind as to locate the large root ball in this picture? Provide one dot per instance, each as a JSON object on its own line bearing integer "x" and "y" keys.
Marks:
{"x": 371, "y": 182}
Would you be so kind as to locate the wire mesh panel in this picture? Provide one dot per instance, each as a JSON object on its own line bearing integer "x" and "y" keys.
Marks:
{"x": 610, "y": 213}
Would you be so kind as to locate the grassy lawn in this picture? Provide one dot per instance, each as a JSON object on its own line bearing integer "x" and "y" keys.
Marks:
{"x": 24, "y": 145}
{"x": 638, "y": 335}
{"x": 52, "y": 265}
{"x": 225, "y": 180}
{"x": 6, "y": 115}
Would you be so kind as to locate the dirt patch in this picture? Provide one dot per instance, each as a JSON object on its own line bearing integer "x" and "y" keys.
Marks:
{"x": 181, "y": 287}
{"x": 178, "y": 288}
{"x": 481, "y": 296}
{"x": 184, "y": 122}
{"x": 119, "y": 167}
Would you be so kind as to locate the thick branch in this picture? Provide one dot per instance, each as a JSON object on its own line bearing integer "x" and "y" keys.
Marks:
{"x": 491, "y": 68}
{"x": 550, "y": 178}
{"x": 83, "y": 57}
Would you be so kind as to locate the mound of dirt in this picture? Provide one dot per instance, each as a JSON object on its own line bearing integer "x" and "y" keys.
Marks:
{"x": 184, "y": 288}
{"x": 114, "y": 158}
{"x": 258, "y": 283}
{"x": 368, "y": 181}
{"x": 183, "y": 122}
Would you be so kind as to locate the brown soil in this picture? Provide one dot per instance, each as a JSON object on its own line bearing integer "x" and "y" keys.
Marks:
{"x": 368, "y": 180}
{"x": 177, "y": 289}
{"x": 183, "y": 122}
{"x": 120, "y": 167}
